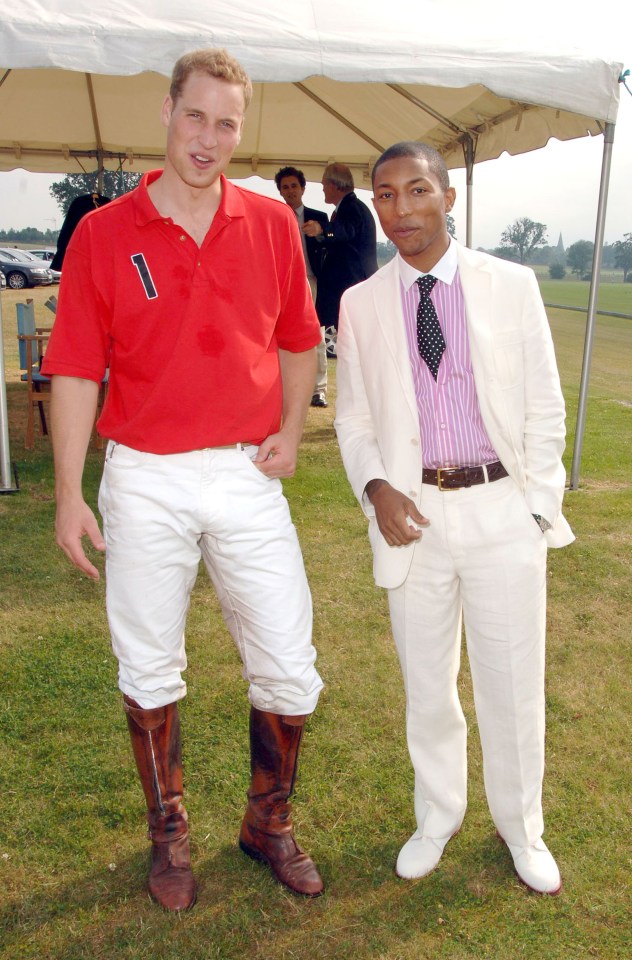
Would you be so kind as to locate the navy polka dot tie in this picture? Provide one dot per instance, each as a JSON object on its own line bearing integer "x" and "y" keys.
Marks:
{"x": 429, "y": 336}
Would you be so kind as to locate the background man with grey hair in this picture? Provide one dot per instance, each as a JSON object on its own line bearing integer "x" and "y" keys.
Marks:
{"x": 349, "y": 241}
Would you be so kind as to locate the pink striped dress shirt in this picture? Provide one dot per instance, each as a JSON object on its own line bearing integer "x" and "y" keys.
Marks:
{"x": 450, "y": 422}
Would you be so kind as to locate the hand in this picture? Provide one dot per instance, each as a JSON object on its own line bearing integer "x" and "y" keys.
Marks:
{"x": 312, "y": 228}
{"x": 277, "y": 456}
{"x": 75, "y": 520}
{"x": 393, "y": 510}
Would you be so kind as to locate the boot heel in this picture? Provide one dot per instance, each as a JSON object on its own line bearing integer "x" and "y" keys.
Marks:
{"x": 251, "y": 852}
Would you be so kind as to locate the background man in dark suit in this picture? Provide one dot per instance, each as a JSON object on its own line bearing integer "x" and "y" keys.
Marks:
{"x": 291, "y": 185}
{"x": 348, "y": 240}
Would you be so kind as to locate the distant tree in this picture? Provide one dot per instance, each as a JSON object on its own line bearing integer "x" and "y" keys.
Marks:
{"x": 385, "y": 252}
{"x": 78, "y": 184}
{"x": 523, "y": 236}
{"x": 579, "y": 256}
{"x": 451, "y": 225}
{"x": 608, "y": 256}
{"x": 545, "y": 255}
{"x": 623, "y": 254}
{"x": 557, "y": 271}
{"x": 506, "y": 253}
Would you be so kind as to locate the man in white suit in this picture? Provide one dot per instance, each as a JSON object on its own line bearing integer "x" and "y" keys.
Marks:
{"x": 450, "y": 419}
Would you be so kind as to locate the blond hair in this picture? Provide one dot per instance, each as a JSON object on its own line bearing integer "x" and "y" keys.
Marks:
{"x": 214, "y": 63}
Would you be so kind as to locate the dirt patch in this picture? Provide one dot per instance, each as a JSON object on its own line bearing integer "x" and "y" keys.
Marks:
{"x": 590, "y": 486}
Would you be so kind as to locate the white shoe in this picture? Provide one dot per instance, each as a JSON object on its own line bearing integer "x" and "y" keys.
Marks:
{"x": 536, "y": 867}
{"x": 419, "y": 856}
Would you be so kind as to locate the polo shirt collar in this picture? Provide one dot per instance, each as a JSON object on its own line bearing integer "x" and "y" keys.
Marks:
{"x": 444, "y": 269}
{"x": 231, "y": 204}
{"x": 145, "y": 210}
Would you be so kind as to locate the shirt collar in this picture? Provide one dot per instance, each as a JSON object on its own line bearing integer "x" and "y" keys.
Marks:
{"x": 444, "y": 269}
{"x": 145, "y": 210}
{"x": 231, "y": 204}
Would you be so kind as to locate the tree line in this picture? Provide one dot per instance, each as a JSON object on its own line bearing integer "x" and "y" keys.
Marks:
{"x": 30, "y": 235}
{"x": 525, "y": 241}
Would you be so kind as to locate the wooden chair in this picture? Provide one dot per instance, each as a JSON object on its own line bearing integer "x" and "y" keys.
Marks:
{"x": 51, "y": 303}
{"x": 32, "y": 342}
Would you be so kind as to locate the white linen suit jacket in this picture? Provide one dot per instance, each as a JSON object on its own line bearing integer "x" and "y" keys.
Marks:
{"x": 516, "y": 378}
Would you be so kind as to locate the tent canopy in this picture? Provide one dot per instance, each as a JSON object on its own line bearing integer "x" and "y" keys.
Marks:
{"x": 80, "y": 89}
{"x": 80, "y": 84}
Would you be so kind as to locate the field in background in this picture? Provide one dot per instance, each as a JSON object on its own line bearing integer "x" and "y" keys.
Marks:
{"x": 614, "y": 297}
{"x": 72, "y": 847}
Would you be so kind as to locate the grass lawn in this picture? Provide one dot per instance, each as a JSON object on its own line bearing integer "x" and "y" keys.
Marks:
{"x": 73, "y": 853}
{"x": 613, "y": 297}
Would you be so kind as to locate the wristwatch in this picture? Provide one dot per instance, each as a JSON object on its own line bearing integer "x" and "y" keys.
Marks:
{"x": 543, "y": 524}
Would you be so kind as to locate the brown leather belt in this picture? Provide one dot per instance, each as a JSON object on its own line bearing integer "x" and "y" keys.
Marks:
{"x": 453, "y": 478}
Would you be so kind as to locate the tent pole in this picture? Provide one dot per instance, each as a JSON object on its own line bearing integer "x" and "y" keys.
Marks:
{"x": 468, "y": 153}
{"x": 608, "y": 140}
{"x": 5, "y": 454}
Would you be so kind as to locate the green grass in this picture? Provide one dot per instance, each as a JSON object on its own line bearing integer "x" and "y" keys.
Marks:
{"x": 72, "y": 845}
{"x": 613, "y": 297}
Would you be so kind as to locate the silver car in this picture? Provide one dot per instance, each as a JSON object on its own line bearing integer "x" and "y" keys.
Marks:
{"x": 46, "y": 254}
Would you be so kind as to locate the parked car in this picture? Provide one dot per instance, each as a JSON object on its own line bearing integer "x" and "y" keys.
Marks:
{"x": 22, "y": 269}
{"x": 46, "y": 254}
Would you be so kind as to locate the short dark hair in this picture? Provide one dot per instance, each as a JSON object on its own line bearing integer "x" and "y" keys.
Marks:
{"x": 289, "y": 172}
{"x": 422, "y": 151}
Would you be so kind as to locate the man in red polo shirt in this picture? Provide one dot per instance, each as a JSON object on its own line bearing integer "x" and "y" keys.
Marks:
{"x": 193, "y": 292}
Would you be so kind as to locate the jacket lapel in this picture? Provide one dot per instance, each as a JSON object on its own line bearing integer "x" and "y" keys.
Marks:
{"x": 478, "y": 294}
{"x": 483, "y": 307}
{"x": 387, "y": 301}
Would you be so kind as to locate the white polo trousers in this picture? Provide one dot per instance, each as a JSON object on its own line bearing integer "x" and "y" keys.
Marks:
{"x": 483, "y": 555}
{"x": 160, "y": 515}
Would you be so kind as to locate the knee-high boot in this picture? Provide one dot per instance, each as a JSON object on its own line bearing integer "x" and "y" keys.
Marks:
{"x": 155, "y": 737}
{"x": 266, "y": 832}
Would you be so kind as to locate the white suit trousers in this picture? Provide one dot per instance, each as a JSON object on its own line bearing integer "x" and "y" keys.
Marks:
{"x": 161, "y": 515}
{"x": 483, "y": 556}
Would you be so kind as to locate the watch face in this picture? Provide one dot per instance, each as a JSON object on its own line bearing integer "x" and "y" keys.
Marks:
{"x": 541, "y": 522}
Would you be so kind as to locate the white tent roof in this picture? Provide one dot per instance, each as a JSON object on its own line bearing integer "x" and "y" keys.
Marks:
{"x": 333, "y": 80}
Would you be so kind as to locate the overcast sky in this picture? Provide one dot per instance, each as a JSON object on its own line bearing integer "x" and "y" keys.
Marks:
{"x": 557, "y": 185}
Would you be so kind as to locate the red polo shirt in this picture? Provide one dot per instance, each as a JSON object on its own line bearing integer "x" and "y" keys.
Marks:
{"x": 191, "y": 335}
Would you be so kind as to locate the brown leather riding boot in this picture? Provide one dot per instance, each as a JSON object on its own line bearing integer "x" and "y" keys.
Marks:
{"x": 155, "y": 737}
{"x": 266, "y": 831}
